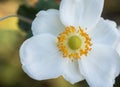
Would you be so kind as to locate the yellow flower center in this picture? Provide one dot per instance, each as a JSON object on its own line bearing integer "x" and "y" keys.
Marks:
{"x": 74, "y": 43}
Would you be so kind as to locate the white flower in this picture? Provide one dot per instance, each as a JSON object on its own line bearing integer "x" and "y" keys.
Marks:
{"x": 73, "y": 42}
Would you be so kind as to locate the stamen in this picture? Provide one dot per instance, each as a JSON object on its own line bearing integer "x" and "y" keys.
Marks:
{"x": 74, "y": 44}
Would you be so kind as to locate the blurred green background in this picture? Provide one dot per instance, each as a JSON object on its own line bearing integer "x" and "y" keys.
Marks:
{"x": 13, "y": 31}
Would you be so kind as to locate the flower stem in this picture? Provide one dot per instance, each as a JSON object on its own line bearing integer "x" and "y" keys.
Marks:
{"x": 19, "y": 16}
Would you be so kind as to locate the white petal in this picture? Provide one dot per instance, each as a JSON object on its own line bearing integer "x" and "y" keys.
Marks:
{"x": 84, "y": 13}
{"x": 71, "y": 71}
{"x": 100, "y": 67}
{"x": 105, "y": 32}
{"x": 40, "y": 57}
{"x": 47, "y": 22}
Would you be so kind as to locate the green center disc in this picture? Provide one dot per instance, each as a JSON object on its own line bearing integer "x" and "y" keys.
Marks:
{"x": 74, "y": 42}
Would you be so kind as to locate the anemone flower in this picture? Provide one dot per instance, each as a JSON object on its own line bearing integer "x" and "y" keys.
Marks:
{"x": 74, "y": 42}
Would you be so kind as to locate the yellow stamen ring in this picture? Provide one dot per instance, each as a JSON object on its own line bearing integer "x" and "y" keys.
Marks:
{"x": 74, "y": 44}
